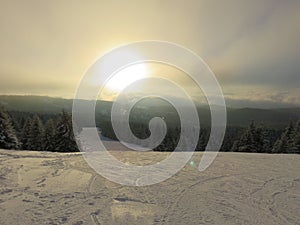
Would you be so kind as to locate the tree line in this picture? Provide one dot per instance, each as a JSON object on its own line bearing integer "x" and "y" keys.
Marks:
{"x": 254, "y": 138}
{"x": 34, "y": 133}
{"x": 257, "y": 139}
{"x": 55, "y": 133}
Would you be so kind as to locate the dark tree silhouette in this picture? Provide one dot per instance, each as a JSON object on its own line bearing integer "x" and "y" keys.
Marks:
{"x": 297, "y": 139}
{"x": 266, "y": 141}
{"x": 49, "y": 136}
{"x": 27, "y": 139}
{"x": 37, "y": 134}
{"x": 64, "y": 136}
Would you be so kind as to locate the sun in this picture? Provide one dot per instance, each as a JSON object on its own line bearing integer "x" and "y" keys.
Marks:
{"x": 127, "y": 76}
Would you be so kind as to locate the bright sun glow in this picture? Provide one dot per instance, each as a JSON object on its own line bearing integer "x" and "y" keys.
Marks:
{"x": 127, "y": 76}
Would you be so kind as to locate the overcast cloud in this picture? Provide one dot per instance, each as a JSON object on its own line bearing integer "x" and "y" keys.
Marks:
{"x": 253, "y": 47}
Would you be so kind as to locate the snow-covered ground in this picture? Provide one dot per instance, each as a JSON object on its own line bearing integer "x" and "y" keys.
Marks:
{"x": 52, "y": 188}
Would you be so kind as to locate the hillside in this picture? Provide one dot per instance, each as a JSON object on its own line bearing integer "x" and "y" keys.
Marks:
{"x": 152, "y": 107}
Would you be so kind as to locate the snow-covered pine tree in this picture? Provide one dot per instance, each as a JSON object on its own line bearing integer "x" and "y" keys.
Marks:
{"x": 49, "y": 137}
{"x": 285, "y": 143}
{"x": 8, "y": 138}
{"x": 280, "y": 145}
{"x": 64, "y": 136}
{"x": 250, "y": 140}
{"x": 296, "y": 139}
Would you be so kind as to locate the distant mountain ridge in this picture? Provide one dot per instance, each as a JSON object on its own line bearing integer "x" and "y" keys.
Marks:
{"x": 236, "y": 116}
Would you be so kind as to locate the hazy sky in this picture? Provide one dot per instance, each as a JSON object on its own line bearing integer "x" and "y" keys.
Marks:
{"x": 253, "y": 47}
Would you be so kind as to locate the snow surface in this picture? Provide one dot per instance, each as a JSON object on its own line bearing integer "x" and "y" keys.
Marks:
{"x": 55, "y": 188}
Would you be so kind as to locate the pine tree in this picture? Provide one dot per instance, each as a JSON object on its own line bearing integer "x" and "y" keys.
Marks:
{"x": 250, "y": 141}
{"x": 17, "y": 124}
{"x": 37, "y": 132}
{"x": 202, "y": 141}
{"x": 235, "y": 146}
{"x": 266, "y": 141}
{"x": 64, "y": 137}
{"x": 297, "y": 144}
{"x": 33, "y": 134}
{"x": 49, "y": 137}
{"x": 286, "y": 142}
{"x": 27, "y": 139}
{"x": 8, "y": 138}
{"x": 295, "y": 148}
